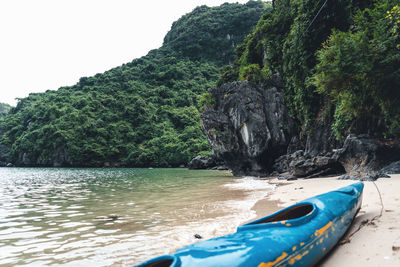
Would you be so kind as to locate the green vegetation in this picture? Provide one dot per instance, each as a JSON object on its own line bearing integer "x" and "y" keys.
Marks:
{"x": 359, "y": 71}
{"x": 143, "y": 113}
{"x": 4, "y": 109}
{"x": 210, "y": 34}
{"x": 284, "y": 42}
{"x": 346, "y": 59}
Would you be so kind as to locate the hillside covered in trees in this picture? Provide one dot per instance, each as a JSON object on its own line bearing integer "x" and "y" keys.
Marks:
{"x": 339, "y": 62}
{"x": 143, "y": 113}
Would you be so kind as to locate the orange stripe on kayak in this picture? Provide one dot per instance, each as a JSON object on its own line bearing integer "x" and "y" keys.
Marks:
{"x": 297, "y": 257}
{"x": 269, "y": 264}
{"x": 292, "y": 260}
{"x": 323, "y": 229}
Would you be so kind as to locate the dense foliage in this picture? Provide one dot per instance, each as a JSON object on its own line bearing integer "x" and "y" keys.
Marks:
{"x": 143, "y": 113}
{"x": 332, "y": 55}
{"x": 4, "y": 109}
{"x": 197, "y": 35}
{"x": 359, "y": 71}
{"x": 285, "y": 42}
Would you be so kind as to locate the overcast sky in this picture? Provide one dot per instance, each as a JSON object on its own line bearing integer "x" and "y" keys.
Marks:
{"x": 46, "y": 44}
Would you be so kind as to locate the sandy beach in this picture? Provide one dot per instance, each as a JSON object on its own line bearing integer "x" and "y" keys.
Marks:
{"x": 377, "y": 243}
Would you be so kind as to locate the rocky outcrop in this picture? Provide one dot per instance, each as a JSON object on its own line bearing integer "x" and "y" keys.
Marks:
{"x": 3, "y": 157}
{"x": 363, "y": 154}
{"x": 201, "y": 162}
{"x": 366, "y": 158}
{"x": 248, "y": 126}
{"x": 59, "y": 158}
{"x": 302, "y": 165}
{"x": 294, "y": 145}
{"x": 364, "y": 176}
{"x": 361, "y": 158}
{"x": 392, "y": 168}
{"x": 320, "y": 139}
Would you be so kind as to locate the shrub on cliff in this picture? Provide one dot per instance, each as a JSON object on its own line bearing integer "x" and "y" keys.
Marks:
{"x": 359, "y": 71}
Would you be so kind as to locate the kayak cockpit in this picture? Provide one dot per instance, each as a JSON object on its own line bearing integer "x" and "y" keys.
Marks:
{"x": 294, "y": 215}
{"x": 294, "y": 212}
{"x": 162, "y": 261}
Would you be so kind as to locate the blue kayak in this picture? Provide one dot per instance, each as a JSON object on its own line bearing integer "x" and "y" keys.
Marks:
{"x": 299, "y": 235}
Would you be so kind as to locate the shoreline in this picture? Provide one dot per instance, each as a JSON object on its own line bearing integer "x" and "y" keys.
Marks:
{"x": 377, "y": 243}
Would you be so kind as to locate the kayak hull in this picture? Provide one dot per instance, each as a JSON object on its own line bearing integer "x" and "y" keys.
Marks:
{"x": 299, "y": 235}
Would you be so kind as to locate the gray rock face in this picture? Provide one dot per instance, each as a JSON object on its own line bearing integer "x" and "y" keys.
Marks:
{"x": 294, "y": 145}
{"x": 392, "y": 168}
{"x": 321, "y": 139}
{"x": 361, "y": 157}
{"x": 201, "y": 162}
{"x": 59, "y": 158}
{"x": 365, "y": 154}
{"x": 300, "y": 164}
{"x": 371, "y": 176}
{"x": 3, "y": 156}
{"x": 248, "y": 127}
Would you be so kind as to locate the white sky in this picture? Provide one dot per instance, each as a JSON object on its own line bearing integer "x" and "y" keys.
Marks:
{"x": 46, "y": 44}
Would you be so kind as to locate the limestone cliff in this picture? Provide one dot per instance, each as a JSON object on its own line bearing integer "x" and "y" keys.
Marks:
{"x": 248, "y": 126}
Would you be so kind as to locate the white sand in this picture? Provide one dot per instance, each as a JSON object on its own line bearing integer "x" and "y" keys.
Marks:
{"x": 376, "y": 244}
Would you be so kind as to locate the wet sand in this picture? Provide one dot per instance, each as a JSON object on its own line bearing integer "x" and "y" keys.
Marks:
{"x": 375, "y": 244}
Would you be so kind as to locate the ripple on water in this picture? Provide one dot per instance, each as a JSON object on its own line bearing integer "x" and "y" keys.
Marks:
{"x": 52, "y": 214}
{"x": 11, "y": 224}
{"x": 13, "y": 230}
{"x": 74, "y": 224}
{"x": 63, "y": 211}
{"x": 100, "y": 232}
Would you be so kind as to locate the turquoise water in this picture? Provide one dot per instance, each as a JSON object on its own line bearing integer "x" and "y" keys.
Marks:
{"x": 104, "y": 217}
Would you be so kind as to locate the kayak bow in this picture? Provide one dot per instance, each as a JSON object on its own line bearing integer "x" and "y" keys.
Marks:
{"x": 299, "y": 235}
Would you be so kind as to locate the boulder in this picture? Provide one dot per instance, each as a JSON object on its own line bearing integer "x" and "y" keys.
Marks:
{"x": 392, "y": 168}
{"x": 220, "y": 168}
{"x": 248, "y": 126}
{"x": 364, "y": 154}
{"x": 282, "y": 164}
{"x": 302, "y": 165}
{"x": 163, "y": 164}
{"x": 201, "y": 162}
{"x": 315, "y": 166}
{"x": 363, "y": 176}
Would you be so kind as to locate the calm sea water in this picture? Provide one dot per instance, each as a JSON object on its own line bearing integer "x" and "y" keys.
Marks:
{"x": 104, "y": 217}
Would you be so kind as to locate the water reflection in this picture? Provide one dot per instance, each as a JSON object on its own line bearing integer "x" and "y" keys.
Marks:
{"x": 102, "y": 217}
